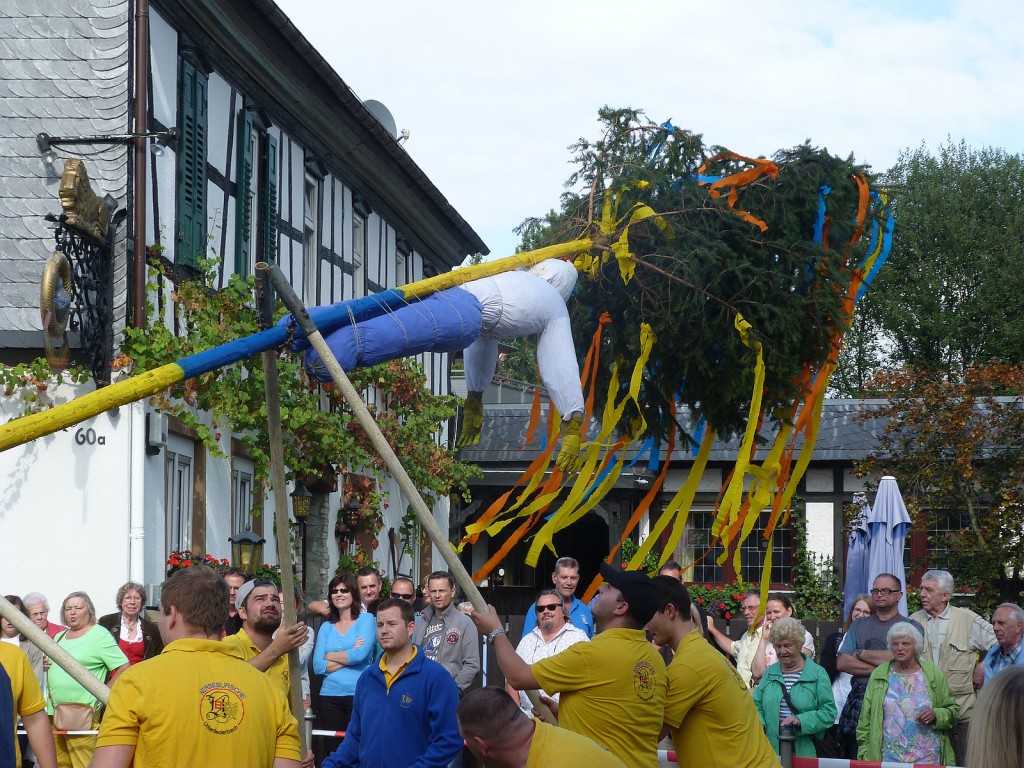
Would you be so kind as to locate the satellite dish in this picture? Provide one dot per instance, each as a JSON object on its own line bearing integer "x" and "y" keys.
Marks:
{"x": 383, "y": 115}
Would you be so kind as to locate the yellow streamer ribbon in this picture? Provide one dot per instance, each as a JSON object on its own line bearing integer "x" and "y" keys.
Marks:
{"x": 678, "y": 509}
{"x": 730, "y": 507}
{"x": 570, "y": 510}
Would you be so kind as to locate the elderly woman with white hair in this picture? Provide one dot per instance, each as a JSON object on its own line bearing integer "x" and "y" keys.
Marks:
{"x": 908, "y": 707}
{"x": 794, "y": 691}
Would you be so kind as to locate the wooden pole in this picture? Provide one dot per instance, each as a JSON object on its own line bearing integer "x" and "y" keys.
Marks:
{"x": 380, "y": 444}
{"x": 57, "y": 655}
{"x": 264, "y": 305}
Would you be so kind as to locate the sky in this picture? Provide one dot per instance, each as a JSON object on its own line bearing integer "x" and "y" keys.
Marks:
{"x": 493, "y": 93}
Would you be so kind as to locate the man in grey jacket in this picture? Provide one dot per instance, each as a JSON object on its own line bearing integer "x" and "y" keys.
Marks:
{"x": 446, "y": 634}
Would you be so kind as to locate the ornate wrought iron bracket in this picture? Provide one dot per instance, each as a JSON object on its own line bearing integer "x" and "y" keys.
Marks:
{"x": 91, "y": 295}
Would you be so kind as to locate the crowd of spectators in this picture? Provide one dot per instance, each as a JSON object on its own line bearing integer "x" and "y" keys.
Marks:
{"x": 639, "y": 664}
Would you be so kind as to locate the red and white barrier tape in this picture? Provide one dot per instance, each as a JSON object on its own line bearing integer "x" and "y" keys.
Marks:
{"x": 664, "y": 755}
{"x": 834, "y": 762}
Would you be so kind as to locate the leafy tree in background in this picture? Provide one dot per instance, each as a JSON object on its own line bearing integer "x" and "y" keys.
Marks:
{"x": 958, "y": 447}
{"x": 949, "y": 297}
{"x": 708, "y": 264}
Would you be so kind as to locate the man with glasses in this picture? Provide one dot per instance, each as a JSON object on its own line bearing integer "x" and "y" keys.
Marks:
{"x": 744, "y": 649}
{"x": 566, "y": 577}
{"x": 261, "y": 641}
{"x": 864, "y": 648}
{"x": 553, "y": 634}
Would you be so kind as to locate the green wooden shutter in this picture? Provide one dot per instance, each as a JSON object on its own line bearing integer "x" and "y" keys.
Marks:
{"x": 268, "y": 201}
{"x": 192, "y": 167}
{"x": 243, "y": 199}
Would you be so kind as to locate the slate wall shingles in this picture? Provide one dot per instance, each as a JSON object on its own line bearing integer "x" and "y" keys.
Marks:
{"x": 65, "y": 67}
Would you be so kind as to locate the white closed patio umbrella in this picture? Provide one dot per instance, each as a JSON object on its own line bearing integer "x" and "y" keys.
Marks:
{"x": 888, "y": 526}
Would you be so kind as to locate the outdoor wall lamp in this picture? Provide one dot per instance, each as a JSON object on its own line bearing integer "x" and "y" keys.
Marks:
{"x": 45, "y": 142}
{"x": 301, "y": 498}
{"x": 247, "y": 550}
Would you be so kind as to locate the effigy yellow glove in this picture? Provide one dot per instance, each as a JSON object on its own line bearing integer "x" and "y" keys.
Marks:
{"x": 568, "y": 459}
{"x": 472, "y": 420}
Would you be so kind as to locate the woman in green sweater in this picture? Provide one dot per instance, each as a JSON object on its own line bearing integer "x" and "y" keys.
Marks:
{"x": 794, "y": 691}
{"x": 908, "y": 708}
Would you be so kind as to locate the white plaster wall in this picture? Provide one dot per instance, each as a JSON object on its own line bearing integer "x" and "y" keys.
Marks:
{"x": 818, "y": 480}
{"x": 64, "y": 508}
{"x": 710, "y": 482}
{"x": 853, "y": 484}
{"x": 821, "y": 528}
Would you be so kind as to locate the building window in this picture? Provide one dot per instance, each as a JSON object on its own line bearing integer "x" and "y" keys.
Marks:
{"x": 754, "y": 549}
{"x": 692, "y": 552}
{"x": 241, "y": 494}
{"x": 359, "y": 228}
{"x": 178, "y": 489}
{"x": 191, "y": 244}
{"x": 943, "y": 523}
{"x": 310, "y": 240}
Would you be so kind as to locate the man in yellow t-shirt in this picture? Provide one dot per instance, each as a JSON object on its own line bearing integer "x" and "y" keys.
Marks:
{"x": 612, "y": 688}
{"x": 28, "y": 703}
{"x": 709, "y": 710}
{"x": 196, "y": 703}
{"x": 262, "y": 641}
{"x": 499, "y": 734}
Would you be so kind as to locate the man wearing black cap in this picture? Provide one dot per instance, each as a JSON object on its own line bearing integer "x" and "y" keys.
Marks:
{"x": 613, "y": 688}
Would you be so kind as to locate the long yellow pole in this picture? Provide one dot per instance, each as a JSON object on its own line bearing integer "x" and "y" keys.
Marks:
{"x": 22, "y": 430}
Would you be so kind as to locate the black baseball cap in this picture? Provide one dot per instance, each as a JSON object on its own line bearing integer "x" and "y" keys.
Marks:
{"x": 638, "y": 591}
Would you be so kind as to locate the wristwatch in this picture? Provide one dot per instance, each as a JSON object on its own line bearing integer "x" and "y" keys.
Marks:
{"x": 494, "y": 633}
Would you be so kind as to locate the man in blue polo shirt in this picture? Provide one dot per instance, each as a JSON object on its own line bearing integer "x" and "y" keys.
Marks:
{"x": 565, "y": 578}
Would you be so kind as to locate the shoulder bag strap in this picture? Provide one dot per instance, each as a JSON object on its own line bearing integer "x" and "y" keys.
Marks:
{"x": 789, "y": 701}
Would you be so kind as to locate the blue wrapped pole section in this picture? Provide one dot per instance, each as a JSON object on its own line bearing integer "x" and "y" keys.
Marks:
{"x": 327, "y": 319}
{"x": 446, "y": 321}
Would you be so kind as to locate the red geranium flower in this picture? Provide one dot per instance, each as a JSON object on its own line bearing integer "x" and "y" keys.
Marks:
{"x": 728, "y": 615}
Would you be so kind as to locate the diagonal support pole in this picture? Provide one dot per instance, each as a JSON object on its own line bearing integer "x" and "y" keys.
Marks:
{"x": 380, "y": 444}
{"x": 264, "y": 305}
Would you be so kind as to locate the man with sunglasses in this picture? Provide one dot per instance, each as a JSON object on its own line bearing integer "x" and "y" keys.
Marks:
{"x": 552, "y": 634}
{"x": 864, "y": 648}
{"x": 566, "y": 577}
{"x": 403, "y": 588}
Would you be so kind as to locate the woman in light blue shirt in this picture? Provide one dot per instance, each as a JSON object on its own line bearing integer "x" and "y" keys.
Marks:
{"x": 344, "y": 648}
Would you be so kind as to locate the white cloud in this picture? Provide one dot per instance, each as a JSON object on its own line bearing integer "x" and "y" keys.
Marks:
{"x": 493, "y": 94}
